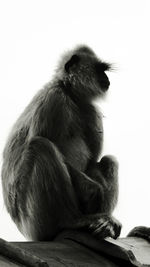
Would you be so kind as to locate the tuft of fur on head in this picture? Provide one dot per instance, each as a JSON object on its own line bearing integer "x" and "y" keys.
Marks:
{"x": 84, "y": 49}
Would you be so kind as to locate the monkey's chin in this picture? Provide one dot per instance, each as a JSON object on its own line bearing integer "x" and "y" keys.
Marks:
{"x": 103, "y": 93}
{"x": 101, "y": 96}
{"x": 105, "y": 88}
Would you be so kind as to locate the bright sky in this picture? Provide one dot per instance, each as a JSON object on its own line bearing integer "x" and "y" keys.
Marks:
{"x": 34, "y": 33}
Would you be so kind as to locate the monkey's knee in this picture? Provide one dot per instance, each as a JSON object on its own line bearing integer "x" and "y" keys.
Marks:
{"x": 105, "y": 173}
{"x": 109, "y": 167}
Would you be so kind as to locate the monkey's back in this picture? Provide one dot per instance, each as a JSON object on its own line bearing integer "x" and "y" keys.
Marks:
{"x": 53, "y": 115}
{"x": 76, "y": 131}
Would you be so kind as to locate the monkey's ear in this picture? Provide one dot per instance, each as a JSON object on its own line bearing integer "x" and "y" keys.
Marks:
{"x": 73, "y": 61}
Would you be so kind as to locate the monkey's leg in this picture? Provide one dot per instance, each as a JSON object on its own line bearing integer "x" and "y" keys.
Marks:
{"x": 45, "y": 197}
{"x": 105, "y": 173}
{"x": 94, "y": 202}
{"x": 90, "y": 193}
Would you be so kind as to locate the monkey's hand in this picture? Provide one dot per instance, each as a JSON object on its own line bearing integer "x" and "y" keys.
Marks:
{"x": 140, "y": 231}
{"x": 105, "y": 226}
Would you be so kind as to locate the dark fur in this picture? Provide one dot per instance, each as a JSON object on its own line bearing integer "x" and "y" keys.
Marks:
{"x": 51, "y": 178}
{"x": 140, "y": 231}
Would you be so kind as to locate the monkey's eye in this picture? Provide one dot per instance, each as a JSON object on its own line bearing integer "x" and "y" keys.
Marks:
{"x": 73, "y": 61}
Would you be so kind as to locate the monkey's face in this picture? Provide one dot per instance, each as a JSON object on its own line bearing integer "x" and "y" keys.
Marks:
{"x": 86, "y": 74}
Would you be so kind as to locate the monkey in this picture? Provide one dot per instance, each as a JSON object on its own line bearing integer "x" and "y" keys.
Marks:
{"x": 52, "y": 177}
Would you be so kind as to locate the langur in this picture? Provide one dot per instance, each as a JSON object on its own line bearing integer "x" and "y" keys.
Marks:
{"x": 51, "y": 175}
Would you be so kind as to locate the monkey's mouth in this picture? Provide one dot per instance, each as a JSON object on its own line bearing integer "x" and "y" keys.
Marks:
{"x": 105, "y": 85}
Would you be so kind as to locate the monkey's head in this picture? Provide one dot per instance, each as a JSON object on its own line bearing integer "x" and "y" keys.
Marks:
{"x": 84, "y": 74}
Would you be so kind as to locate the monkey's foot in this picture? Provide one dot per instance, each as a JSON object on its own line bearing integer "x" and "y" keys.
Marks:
{"x": 105, "y": 226}
{"x": 140, "y": 231}
{"x": 109, "y": 166}
{"x": 99, "y": 225}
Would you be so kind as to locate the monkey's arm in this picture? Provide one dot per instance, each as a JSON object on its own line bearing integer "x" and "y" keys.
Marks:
{"x": 52, "y": 117}
{"x": 90, "y": 193}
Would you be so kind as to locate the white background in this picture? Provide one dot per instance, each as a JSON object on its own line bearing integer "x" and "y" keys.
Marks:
{"x": 34, "y": 33}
